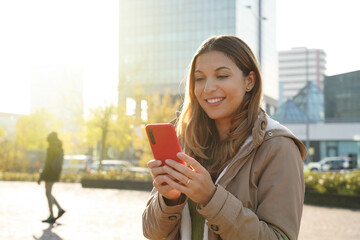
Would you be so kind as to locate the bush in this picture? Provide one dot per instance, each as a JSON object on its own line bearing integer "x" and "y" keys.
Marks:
{"x": 18, "y": 176}
{"x": 119, "y": 175}
{"x": 33, "y": 177}
{"x": 332, "y": 182}
{"x": 76, "y": 177}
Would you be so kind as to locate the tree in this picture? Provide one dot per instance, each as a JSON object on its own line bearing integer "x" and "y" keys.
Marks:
{"x": 10, "y": 158}
{"x": 31, "y": 133}
{"x": 73, "y": 130}
{"x": 109, "y": 127}
{"x": 2, "y": 133}
{"x": 32, "y": 130}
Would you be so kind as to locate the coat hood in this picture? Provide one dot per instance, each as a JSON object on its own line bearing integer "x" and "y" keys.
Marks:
{"x": 264, "y": 129}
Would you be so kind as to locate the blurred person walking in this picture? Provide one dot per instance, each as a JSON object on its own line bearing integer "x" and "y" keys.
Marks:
{"x": 51, "y": 173}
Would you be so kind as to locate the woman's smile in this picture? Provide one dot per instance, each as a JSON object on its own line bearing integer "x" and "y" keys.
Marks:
{"x": 215, "y": 101}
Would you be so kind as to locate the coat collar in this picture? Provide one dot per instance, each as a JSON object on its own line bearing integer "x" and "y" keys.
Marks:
{"x": 264, "y": 129}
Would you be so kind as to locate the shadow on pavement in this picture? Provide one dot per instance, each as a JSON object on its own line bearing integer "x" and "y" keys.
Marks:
{"x": 48, "y": 234}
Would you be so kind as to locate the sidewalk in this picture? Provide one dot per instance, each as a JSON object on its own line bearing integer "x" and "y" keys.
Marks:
{"x": 107, "y": 214}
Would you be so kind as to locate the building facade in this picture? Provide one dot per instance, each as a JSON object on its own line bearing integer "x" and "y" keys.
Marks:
{"x": 159, "y": 38}
{"x": 330, "y": 139}
{"x": 306, "y": 106}
{"x": 333, "y": 126}
{"x": 296, "y": 67}
{"x": 342, "y": 98}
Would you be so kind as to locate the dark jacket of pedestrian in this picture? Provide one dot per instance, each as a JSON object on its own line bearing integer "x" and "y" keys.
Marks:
{"x": 54, "y": 159}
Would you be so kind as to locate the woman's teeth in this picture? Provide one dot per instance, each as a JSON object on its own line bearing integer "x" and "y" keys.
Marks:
{"x": 214, "y": 100}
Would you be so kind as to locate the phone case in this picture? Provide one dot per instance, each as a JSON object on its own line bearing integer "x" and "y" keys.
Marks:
{"x": 163, "y": 141}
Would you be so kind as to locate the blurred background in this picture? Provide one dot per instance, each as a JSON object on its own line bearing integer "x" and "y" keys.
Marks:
{"x": 98, "y": 71}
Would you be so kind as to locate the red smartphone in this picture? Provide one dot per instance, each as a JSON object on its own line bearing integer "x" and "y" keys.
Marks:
{"x": 163, "y": 141}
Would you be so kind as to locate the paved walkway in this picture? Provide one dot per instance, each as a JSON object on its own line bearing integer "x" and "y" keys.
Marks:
{"x": 94, "y": 214}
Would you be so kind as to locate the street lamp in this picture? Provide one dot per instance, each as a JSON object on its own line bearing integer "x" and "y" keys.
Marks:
{"x": 260, "y": 18}
{"x": 307, "y": 103}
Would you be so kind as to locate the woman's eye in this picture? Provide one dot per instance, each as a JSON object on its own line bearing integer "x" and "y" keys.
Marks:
{"x": 223, "y": 76}
{"x": 199, "y": 79}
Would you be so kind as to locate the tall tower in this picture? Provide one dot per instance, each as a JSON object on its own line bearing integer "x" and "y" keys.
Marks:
{"x": 159, "y": 38}
{"x": 296, "y": 67}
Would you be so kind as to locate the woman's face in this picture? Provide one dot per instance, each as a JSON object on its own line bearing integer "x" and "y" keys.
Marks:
{"x": 219, "y": 85}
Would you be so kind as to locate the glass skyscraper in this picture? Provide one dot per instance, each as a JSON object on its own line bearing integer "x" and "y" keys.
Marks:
{"x": 342, "y": 98}
{"x": 158, "y": 39}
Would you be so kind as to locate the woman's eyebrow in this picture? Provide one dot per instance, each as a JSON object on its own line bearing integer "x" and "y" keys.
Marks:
{"x": 223, "y": 67}
{"x": 219, "y": 68}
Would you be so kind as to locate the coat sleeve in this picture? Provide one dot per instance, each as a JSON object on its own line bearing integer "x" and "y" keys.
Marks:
{"x": 160, "y": 220}
{"x": 280, "y": 197}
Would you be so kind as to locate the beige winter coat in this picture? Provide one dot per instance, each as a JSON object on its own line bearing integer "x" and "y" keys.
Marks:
{"x": 259, "y": 195}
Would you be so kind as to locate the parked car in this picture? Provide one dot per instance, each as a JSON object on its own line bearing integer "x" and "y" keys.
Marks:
{"x": 331, "y": 164}
{"x": 109, "y": 165}
{"x": 76, "y": 163}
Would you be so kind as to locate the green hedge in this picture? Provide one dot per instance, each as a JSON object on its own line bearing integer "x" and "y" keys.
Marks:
{"x": 331, "y": 182}
{"x": 33, "y": 177}
{"x": 119, "y": 175}
{"x": 76, "y": 177}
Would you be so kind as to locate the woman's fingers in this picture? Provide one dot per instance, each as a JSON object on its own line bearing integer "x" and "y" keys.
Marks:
{"x": 157, "y": 171}
{"x": 154, "y": 163}
{"x": 196, "y": 183}
{"x": 177, "y": 185}
{"x": 188, "y": 172}
{"x": 176, "y": 174}
{"x": 191, "y": 161}
{"x": 173, "y": 178}
{"x": 155, "y": 168}
{"x": 159, "y": 180}
{"x": 162, "y": 186}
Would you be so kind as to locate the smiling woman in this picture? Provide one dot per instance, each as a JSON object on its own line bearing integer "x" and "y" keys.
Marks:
{"x": 242, "y": 165}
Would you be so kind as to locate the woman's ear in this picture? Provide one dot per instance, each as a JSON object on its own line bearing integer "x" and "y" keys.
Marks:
{"x": 250, "y": 81}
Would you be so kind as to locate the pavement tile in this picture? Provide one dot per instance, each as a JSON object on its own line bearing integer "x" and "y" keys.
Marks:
{"x": 110, "y": 214}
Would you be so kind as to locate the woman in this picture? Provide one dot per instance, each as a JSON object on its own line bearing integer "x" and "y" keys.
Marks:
{"x": 51, "y": 173}
{"x": 244, "y": 177}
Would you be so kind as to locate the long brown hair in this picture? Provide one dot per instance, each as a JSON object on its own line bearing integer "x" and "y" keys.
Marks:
{"x": 197, "y": 132}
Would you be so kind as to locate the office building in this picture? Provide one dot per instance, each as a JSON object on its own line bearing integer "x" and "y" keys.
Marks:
{"x": 307, "y": 105}
{"x": 159, "y": 38}
{"x": 296, "y": 67}
{"x": 333, "y": 127}
{"x": 342, "y": 98}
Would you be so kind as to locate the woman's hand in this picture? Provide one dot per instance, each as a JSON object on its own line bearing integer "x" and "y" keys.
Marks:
{"x": 159, "y": 176}
{"x": 195, "y": 182}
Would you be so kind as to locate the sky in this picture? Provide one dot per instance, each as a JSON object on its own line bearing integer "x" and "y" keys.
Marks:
{"x": 84, "y": 34}
{"x": 331, "y": 25}
{"x": 78, "y": 33}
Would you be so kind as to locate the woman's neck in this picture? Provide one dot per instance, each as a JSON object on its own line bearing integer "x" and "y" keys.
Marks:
{"x": 223, "y": 128}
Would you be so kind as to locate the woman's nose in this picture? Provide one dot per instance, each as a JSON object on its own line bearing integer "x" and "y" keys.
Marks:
{"x": 210, "y": 86}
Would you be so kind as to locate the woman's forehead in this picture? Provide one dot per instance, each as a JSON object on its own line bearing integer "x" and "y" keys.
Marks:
{"x": 214, "y": 60}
